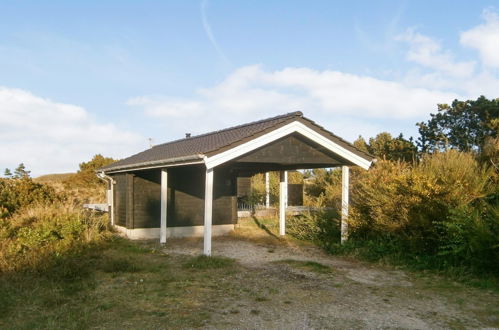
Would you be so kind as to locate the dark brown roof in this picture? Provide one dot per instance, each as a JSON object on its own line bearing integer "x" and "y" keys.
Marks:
{"x": 194, "y": 148}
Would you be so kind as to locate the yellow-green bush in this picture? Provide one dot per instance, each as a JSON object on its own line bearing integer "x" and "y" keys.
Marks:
{"x": 16, "y": 193}
{"x": 444, "y": 207}
{"x": 320, "y": 226}
{"x": 38, "y": 235}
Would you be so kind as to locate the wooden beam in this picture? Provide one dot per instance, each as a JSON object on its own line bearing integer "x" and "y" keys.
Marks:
{"x": 208, "y": 211}
{"x": 164, "y": 205}
{"x": 267, "y": 190}
{"x": 344, "y": 203}
{"x": 283, "y": 201}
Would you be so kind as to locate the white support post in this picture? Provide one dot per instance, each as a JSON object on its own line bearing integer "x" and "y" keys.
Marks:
{"x": 110, "y": 201}
{"x": 267, "y": 190}
{"x": 344, "y": 203}
{"x": 283, "y": 201}
{"x": 164, "y": 205}
{"x": 208, "y": 207}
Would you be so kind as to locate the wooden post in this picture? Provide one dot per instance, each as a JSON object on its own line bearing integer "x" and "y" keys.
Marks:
{"x": 208, "y": 207}
{"x": 164, "y": 205}
{"x": 283, "y": 201}
{"x": 344, "y": 203}
{"x": 110, "y": 200}
{"x": 267, "y": 190}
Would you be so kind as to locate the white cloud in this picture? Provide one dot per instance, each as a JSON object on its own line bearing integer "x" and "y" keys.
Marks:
{"x": 160, "y": 106}
{"x": 340, "y": 101}
{"x": 448, "y": 74}
{"x": 50, "y": 137}
{"x": 485, "y": 39}
{"x": 429, "y": 53}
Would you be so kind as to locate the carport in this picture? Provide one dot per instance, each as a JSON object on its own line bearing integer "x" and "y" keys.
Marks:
{"x": 180, "y": 188}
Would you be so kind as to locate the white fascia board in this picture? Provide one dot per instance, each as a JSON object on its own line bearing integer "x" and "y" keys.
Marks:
{"x": 153, "y": 167}
{"x": 290, "y": 128}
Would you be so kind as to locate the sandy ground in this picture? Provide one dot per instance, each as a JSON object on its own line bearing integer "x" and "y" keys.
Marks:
{"x": 353, "y": 295}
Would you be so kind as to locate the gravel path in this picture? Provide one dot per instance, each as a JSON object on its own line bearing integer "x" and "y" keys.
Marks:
{"x": 277, "y": 295}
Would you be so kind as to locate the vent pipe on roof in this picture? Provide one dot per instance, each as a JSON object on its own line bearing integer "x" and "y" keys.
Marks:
{"x": 150, "y": 143}
{"x": 187, "y": 135}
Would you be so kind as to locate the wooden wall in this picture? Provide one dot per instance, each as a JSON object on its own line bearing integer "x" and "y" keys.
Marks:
{"x": 137, "y": 197}
{"x": 243, "y": 186}
{"x": 295, "y": 194}
{"x": 120, "y": 200}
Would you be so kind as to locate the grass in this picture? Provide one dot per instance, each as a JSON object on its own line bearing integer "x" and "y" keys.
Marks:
{"x": 53, "y": 178}
{"x": 379, "y": 253}
{"x": 205, "y": 262}
{"x": 115, "y": 282}
{"x": 122, "y": 284}
{"x": 311, "y": 266}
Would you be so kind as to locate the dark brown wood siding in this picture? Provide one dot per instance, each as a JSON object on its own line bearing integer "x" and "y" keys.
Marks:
{"x": 138, "y": 197}
{"x": 120, "y": 200}
{"x": 147, "y": 199}
{"x": 243, "y": 186}
{"x": 186, "y": 196}
{"x": 295, "y": 194}
{"x": 294, "y": 150}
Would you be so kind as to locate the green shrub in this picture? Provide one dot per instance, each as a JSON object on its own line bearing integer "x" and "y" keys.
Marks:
{"x": 440, "y": 212}
{"x": 37, "y": 236}
{"x": 321, "y": 226}
{"x": 16, "y": 193}
{"x": 442, "y": 209}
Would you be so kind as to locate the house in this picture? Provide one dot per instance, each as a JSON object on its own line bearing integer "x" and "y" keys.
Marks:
{"x": 188, "y": 187}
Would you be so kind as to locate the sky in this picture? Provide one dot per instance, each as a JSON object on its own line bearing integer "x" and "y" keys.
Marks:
{"x": 79, "y": 78}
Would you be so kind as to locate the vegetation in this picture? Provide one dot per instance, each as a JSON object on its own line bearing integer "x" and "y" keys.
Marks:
{"x": 258, "y": 192}
{"x": 437, "y": 210}
{"x": 85, "y": 177}
{"x": 463, "y": 125}
{"x": 384, "y": 146}
{"x": 41, "y": 226}
{"x": 21, "y": 192}
{"x": 436, "y": 207}
{"x": 115, "y": 283}
{"x": 36, "y": 238}
{"x": 441, "y": 211}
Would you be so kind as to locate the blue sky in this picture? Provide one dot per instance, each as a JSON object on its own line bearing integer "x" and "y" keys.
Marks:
{"x": 79, "y": 78}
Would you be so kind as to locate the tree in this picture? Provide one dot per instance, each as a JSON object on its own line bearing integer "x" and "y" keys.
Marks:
{"x": 361, "y": 144}
{"x": 7, "y": 173}
{"x": 86, "y": 175}
{"x": 384, "y": 146}
{"x": 21, "y": 172}
{"x": 464, "y": 125}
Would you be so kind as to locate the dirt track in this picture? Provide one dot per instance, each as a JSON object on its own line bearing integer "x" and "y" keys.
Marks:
{"x": 276, "y": 294}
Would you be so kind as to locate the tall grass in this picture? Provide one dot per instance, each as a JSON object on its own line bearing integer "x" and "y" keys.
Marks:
{"x": 37, "y": 236}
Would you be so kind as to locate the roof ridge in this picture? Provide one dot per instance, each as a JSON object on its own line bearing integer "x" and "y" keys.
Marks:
{"x": 289, "y": 114}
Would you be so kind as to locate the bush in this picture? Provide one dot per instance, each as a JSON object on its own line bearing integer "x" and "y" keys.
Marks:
{"x": 17, "y": 193}
{"x": 36, "y": 237}
{"x": 321, "y": 226}
{"x": 443, "y": 208}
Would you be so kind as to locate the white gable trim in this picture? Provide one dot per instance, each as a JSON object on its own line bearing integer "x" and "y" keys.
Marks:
{"x": 293, "y": 127}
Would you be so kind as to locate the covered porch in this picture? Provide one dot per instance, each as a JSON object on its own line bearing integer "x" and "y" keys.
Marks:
{"x": 189, "y": 186}
{"x": 290, "y": 152}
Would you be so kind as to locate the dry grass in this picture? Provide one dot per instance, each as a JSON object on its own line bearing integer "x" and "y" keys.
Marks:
{"x": 113, "y": 284}
{"x": 53, "y": 178}
{"x": 120, "y": 284}
{"x": 43, "y": 234}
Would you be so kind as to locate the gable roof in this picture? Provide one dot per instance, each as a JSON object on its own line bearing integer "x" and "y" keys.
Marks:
{"x": 196, "y": 148}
